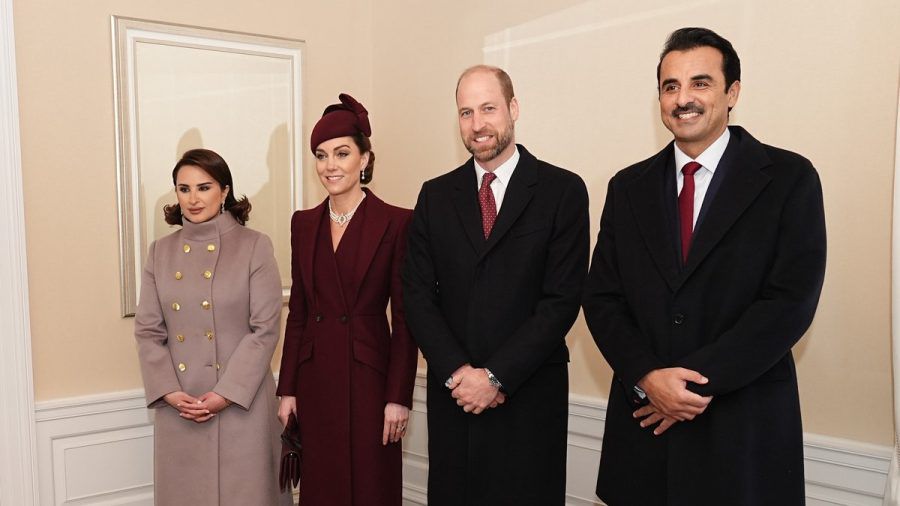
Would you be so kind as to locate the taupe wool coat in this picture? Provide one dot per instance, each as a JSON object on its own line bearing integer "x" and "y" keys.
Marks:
{"x": 208, "y": 320}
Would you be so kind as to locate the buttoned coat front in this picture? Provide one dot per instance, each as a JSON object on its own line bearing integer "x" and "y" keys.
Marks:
{"x": 504, "y": 303}
{"x": 342, "y": 360}
{"x": 732, "y": 312}
{"x": 208, "y": 320}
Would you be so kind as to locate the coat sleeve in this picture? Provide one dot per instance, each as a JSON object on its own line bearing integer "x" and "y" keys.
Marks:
{"x": 564, "y": 271}
{"x": 606, "y": 311}
{"x": 422, "y": 299}
{"x": 151, "y": 335}
{"x": 403, "y": 353}
{"x": 249, "y": 363}
{"x": 787, "y": 302}
{"x": 296, "y": 320}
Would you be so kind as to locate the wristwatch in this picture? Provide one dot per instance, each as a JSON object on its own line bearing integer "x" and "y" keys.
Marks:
{"x": 493, "y": 379}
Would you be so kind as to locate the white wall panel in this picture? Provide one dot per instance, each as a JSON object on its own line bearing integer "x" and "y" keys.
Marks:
{"x": 17, "y": 465}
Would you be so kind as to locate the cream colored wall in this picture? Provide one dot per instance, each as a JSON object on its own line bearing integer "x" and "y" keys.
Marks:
{"x": 820, "y": 78}
{"x": 80, "y": 343}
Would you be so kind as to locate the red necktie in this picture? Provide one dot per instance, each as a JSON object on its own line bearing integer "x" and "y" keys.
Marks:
{"x": 686, "y": 207}
{"x": 488, "y": 205}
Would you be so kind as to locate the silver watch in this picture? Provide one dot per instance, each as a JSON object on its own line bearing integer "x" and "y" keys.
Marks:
{"x": 493, "y": 379}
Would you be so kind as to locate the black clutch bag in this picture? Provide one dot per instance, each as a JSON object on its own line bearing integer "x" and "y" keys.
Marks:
{"x": 291, "y": 449}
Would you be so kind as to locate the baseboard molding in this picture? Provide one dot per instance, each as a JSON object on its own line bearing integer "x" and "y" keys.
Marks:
{"x": 99, "y": 450}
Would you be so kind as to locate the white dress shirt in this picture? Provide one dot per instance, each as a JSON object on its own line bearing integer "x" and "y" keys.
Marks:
{"x": 504, "y": 172}
{"x": 709, "y": 159}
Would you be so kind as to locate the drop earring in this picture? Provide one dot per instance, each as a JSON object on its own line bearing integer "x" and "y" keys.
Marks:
{"x": 222, "y": 209}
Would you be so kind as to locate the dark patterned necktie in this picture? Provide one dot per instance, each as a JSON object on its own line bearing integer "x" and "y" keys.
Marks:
{"x": 686, "y": 208}
{"x": 488, "y": 204}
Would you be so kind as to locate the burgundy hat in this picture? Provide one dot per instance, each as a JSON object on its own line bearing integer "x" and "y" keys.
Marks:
{"x": 341, "y": 120}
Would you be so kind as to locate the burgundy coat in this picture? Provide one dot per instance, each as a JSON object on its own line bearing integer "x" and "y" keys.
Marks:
{"x": 342, "y": 360}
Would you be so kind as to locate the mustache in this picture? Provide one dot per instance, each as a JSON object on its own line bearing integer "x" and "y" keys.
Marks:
{"x": 483, "y": 131}
{"x": 687, "y": 108}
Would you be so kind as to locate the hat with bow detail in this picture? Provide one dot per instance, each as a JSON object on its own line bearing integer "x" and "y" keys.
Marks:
{"x": 341, "y": 120}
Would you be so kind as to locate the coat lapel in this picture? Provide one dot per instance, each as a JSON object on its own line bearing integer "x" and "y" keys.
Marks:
{"x": 648, "y": 199}
{"x": 465, "y": 200}
{"x": 309, "y": 234}
{"x": 518, "y": 194}
{"x": 742, "y": 182}
{"x": 375, "y": 226}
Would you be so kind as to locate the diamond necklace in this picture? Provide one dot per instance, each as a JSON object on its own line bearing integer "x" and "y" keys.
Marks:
{"x": 343, "y": 218}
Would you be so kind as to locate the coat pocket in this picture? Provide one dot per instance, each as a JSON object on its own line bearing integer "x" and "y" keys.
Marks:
{"x": 305, "y": 352}
{"x": 783, "y": 370}
{"x": 529, "y": 228}
{"x": 374, "y": 358}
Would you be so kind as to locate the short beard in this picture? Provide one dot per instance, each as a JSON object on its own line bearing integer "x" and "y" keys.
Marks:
{"x": 503, "y": 141}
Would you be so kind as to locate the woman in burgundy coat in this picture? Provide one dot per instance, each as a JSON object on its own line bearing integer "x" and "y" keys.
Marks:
{"x": 345, "y": 372}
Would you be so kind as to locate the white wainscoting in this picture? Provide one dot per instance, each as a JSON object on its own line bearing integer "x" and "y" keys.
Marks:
{"x": 98, "y": 450}
{"x": 95, "y": 450}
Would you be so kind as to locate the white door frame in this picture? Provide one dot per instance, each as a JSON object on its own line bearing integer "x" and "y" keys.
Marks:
{"x": 17, "y": 436}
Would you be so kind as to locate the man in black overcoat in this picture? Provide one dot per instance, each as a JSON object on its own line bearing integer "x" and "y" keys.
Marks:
{"x": 497, "y": 257}
{"x": 704, "y": 276}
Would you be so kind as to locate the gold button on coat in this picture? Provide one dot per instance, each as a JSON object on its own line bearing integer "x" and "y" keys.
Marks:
{"x": 218, "y": 366}
{"x": 178, "y": 275}
{"x": 176, "y": 306}
{"x": 207, "y": 274}
{"x": 187, "y": 248}
{"x": 206, "y": 304}
{"x": 210, "y": 335}
{"x": 180, "y": 338}
{"x": 211, "y": 248}
{"x": 182, "y": 367}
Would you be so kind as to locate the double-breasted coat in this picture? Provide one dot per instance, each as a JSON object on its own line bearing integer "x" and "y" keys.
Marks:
{"x": 208, "y": 320}
{"x": 505, "y": 303}
{"x": 342, "y": 360}
{"x": 746, "y": 294}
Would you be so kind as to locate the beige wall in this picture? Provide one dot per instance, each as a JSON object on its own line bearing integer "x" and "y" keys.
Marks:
{"x": 820, "y": 78}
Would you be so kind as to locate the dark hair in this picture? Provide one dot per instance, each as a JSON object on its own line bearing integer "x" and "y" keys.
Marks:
{"x": 365, "y": 146}
{"x": 685, "y": 39}
{"x": 215, "y": 166}
{"x": 506, "y": 86}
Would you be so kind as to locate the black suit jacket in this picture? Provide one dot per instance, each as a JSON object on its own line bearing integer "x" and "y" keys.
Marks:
{"x": 747, "y": 293}
{"x": 505, "y": 303}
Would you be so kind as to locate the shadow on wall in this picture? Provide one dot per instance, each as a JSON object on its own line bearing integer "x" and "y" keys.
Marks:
{"x": 190, "y": 139}
{"x": 270, "y": 198}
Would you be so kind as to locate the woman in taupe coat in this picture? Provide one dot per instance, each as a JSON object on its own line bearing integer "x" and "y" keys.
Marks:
{"x": 206, "y": 327}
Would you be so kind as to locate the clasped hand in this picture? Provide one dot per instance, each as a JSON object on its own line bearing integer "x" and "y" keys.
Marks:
{"x": 473, "y": 391}
{"x": 670, "y": 400}
{"x": 197, "y": 409}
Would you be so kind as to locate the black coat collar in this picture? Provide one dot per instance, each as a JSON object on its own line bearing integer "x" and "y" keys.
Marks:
{"x": 742, "y": 180}
{"x": 518, "y": 194}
